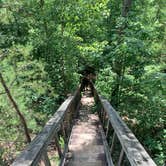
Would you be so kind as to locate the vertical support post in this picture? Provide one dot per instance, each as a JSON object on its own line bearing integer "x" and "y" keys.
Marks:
{"x": 113, "y": 142}
{"x": 100, "y": 112}
{"x": 58, "y": 145}
{"x": 103, "y": 118}
{"x": 67, "y": 124}
{"x": 45, "y": 159}
{"x": 64, "y": 132}
{"x": 102, "y": 115}
{"x": 69, "y": 119}
{"x": 107, "y": 128}
{"x": 121, "y": 157}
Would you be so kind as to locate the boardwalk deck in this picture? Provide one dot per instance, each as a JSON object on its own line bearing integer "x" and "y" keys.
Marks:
{"x": 88, "y": 144}
{"x": 85, "y": 144}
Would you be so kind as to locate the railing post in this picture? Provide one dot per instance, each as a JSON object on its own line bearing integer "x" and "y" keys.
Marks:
{"x": 104, "y": 118}
{"x": 64, "y": 132}
{"x": 58, "y": 145}
{"x": 101, "y": 115}
{"x": 121, "y": 157}
{"x": 113, "y": 142}
{"x": 70, "y": 122}
{"x": 45, "y": 159}
{"x": 108, "y": 128}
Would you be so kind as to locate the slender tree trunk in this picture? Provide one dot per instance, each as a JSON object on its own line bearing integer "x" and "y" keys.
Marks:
{"x": 119, "y": 66}
{"x": 22, "y": 119}
{"x": 126, "y": 7}
{"x": 63, "y": 64}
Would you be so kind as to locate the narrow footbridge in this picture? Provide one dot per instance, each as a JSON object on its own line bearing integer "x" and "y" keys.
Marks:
{"x": 85, "y": 131}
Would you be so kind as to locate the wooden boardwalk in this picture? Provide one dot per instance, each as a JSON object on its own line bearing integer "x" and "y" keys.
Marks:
{"x": 85, "y": 144}
{"x": 88, "y": 144}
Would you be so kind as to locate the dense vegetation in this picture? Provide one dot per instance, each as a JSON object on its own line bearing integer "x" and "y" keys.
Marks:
{"x": 44, "y": 46}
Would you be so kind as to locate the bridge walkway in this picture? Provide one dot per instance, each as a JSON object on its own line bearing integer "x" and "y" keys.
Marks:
{"x": 85, "y": 144}
{"x": 90, "y": 138}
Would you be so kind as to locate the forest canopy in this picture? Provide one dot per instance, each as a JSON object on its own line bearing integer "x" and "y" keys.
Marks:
{"x": 44, "y": 46}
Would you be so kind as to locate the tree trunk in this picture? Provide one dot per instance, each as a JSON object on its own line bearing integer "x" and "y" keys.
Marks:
{"x": 126, "y": 7}
{"x": 119, "y": 66}
{"x": 22, "y": 119}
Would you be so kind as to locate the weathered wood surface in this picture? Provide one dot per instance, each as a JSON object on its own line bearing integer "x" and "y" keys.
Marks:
{"x": 86, "y": 145}
{"x": 46, "y": 159}
{"x": 106, "y": 148}
{"x": 35, "y": 150}
{"x": 93, "y": 152}
{"x": 133, "y": 149}
{"x": 121, "y": 158}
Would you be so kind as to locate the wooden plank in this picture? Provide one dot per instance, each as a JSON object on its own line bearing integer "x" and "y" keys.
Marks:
{"x": 113, "y": 142}
{"x": 134, "y": 151}
{"x": 32, "y": 154}
{"x": 58, "y": 145}
{"x": 107, "y": 128}
{"x": 66, "y": 147}
{"x": 106, "y": 148}
{"x": 46, "y": 159}
{"x": 64, "y": 133}
{"x": 121, "y": 157}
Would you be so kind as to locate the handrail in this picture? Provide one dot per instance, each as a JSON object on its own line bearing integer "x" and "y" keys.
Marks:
{"x": 61, "y": 120}
{"x": 60, "y": 125}
{"x": 130, "y": 146}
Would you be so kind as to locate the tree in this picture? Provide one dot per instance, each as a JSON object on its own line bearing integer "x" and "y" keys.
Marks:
{"x": 133, "y": 71}
{"x": 45, "y": 45}
{"x": 22, "y": 119}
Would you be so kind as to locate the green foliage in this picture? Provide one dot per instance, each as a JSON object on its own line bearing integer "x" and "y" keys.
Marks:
{"x": 45, "y": 44}
{"x": 42, "y": 45}
{"x": 133, "y": 77}
{"x": 105, "y": 78}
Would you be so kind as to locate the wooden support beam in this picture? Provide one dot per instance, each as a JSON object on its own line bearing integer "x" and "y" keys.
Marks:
{"x": 58, "y": 145}
{"x": 121, "y": 157}
{"x": 64, "y": 133}
{"x": 106, "y": 147}
{"x": 104, "y": 119}
{"x": 45, "y": 159}
{"x": 113, "y": 142}
{"x": 107, "y": 128}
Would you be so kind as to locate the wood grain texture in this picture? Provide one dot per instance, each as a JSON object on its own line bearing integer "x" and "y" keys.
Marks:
{"x": 133, "y": 149}
{"x": 86, "y": 144}
{"x": 34, "y": 151}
